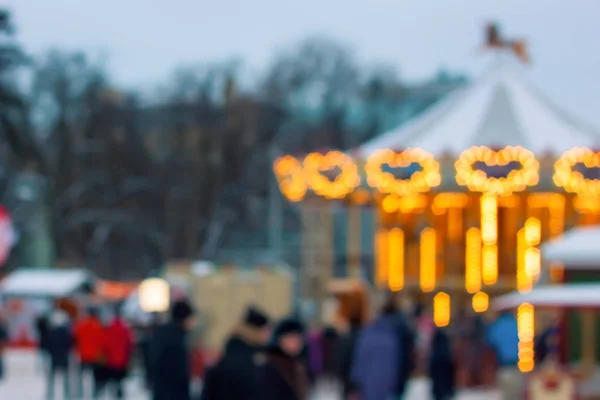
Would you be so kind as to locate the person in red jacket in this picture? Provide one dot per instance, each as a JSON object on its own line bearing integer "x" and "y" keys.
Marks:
{"x": 118, "y": 341}
{"x": 89, "y": 336}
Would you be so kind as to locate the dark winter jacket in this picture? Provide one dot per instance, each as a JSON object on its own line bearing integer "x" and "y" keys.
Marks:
{"x": 235, "y": 376}
{"x": 3, "y": 343}
{"x": 441, "y": 366}
{"x": 170, "y": 363}
{"x": 345, "y": 357}
{"x": 41, "y": 325}
{"x": 406, "y": 354}
{"x": 283, "y": 377}
{"x": 330, "y": 339}
{"x": 60, "y": 340}
{"x": 375, "y": 368}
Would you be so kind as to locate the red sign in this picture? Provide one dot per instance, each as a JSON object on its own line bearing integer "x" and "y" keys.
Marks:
{"x": 7, "y": 234}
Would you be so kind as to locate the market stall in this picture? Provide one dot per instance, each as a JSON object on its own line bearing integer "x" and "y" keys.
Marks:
{"x": 30, "y": 292}
{"x": 577, "y": 354}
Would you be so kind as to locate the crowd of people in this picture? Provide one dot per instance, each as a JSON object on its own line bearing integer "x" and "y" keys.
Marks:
{"x": 282, "y": 360}
{"x": 99, "y": 353}
{"x": 91, "y": 356}
{"x": 370, "y": 360}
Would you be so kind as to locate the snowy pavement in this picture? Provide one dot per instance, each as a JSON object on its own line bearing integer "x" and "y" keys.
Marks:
{"x": 22, "y": 382}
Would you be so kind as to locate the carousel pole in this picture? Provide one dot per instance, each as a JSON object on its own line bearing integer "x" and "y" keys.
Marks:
{"x": 588, "y": 342}
{"x": 309, "y": 267}
{"x": 327, "y": 254}
{"x": 354, "y": 241}
{"x": 275, "y": 211}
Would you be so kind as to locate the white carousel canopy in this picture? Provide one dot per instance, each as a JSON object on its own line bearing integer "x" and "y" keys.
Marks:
{"x": 579, "y": 247}
{"x": 498, "y": 110}
{"x": 575, "y": 295}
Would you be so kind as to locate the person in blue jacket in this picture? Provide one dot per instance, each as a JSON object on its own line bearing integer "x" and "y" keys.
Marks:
{"x": 503, "y": 336}
{"x": 377, "y": 362}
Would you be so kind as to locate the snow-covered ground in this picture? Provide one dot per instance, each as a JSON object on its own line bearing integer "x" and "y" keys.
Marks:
{"x": 22, "y": 382}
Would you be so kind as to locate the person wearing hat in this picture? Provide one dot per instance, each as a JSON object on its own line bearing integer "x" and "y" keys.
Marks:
{"x": 235, "y": 375}
{"x": 284, "y": 375}
{"x": 170, "y": 358}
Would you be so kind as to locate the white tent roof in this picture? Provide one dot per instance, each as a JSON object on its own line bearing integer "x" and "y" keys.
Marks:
{"x": 570, "y": 295}
{"x": 579, "y": 247}
{"x": 498, "y": 110}
{"x": 43, "y": 282}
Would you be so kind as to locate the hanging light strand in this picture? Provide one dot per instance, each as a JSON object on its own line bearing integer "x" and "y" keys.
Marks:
{"x": 526, "y": 332}
{"x": 489, "y": 237}
{"x": 428, "y": 260}
{"x": 473, "y": 261}
{"x": 396, "y": 259}
{"x": 441, "y": 309}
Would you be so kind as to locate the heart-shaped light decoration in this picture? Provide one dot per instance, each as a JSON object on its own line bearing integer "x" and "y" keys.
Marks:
{"x": 418, "y": 182}
{"x": 290, "y": 177}
{"x": 316, "y": 165}
{"x": 573, "y": 181}
{"x": 516, "y": 179}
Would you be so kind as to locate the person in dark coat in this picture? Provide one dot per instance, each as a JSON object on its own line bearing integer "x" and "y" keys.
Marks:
{"x": 329, "y": 340}
{"x": 345, "y": 356}
{"x": 170, "y": 358}
{"x": 235, "y": 376}
{"x": 144, "y": 340}
{"x": 441, "y": 367}
{"x": 546, "y": 344}
{"x": 41, "y": 325}
{"x": 407, "y": 352}
{"x": 284, "y": 377}
{"x": 3, "y": 344}
{"x": 60, "y": 346}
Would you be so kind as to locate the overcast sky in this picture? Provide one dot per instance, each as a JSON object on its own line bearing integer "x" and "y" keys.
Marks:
{"x": 146, "y": 39}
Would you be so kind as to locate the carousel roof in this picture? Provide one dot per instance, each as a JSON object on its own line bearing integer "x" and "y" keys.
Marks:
{"x": 575, "y": 295}
{"x": 499, "y": 109}
{"x": 577, "y": 248}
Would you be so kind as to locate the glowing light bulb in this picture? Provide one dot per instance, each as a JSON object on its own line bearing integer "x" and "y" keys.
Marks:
{"x": 473, "y": 261}
{"x": 480, "y": 302}
{"x": 441, "y": 309}
{"x": 396, "y": 259}
{"x": 428, "y": 260}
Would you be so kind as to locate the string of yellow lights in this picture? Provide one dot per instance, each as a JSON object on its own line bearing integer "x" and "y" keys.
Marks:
{"x": 290, "y": 176}
{"x": 526, "y": 332}
{"x": 489, "y": 237}
{"x": 473, "y": 261}
{"x": 344, "y": 183}
{"x": 428, "y": 260}
{"x": 419, "y": 181}
{"x": 396, "y": 259}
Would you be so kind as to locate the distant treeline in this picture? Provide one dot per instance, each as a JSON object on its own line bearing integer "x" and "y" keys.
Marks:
{"x": 133, "y": 179}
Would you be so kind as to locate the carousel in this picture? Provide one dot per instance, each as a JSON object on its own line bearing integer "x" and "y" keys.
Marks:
{"x": 453, "y": 205}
